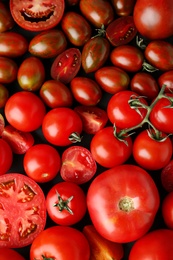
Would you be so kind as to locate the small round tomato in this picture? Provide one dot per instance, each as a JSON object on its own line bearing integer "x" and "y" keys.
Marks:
{"x": 167, "y": 177}
{"x": 6, "y": 157}
{"x": 6, "y": 20}
{"x": 66, "y": 203}
{"x": 167, "y": 209}
{"x": 25, "y": 111}
{"x": 166, "y": 78}
{"x": 42, "y": 162}
{"x": 76, "y": 28}
{"x": 112, "y": 79}
{"x": 62, "y": 126}
{"x": 78, "y": 165}
{"x": 8, "y": 253}
{"x": 4, "y": 95}
{"x": 56, "y": 94}
{"x": 48, "y": 44}
{"x": 37, "y": 16}
{"x": 123, "y": 7}
{"x": 8, "y": 70}
{"x": 66, "y": 65}
{"x": 86, "y": 91}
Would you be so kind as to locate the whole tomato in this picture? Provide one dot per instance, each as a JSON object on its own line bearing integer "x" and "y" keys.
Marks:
{"x": 6, "y": 20}
{"x": 121, "y": 195}
{"x": 8, "y": 70}
{"x": 4, "y": 95}
{"x": 123, "y": 7}
{"x": 166, "y": 78}
{"x": 167, "y": 177}
{"x": 167, "y": 208}
{"x": 6, "y": 158}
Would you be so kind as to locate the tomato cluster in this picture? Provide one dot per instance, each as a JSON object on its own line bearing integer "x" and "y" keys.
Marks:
{"x": 86, "y": 147}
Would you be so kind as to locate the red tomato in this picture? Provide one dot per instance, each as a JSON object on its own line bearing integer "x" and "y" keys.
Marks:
{"x": 6, "y": 157}
{"x": 42, "y": 162}
{"x": 7, "y": 253}
{"x": 121, "y": 195}
{"x": 66, "y": 65}
{"x": 25, "y": 111}
{"x": 112, "y": 79}
{"x": 149, "y": 17}
{"x": 4, "y": 95}
{"x": 62, "y": 243}
{"x": 6, "y": 20}
{"x": 93, "y": 118}
{"x": 78, "y": 165}
{"x": 123, "y": 7}
{"x": 8, "y": 70}
{"x": 23, "y": 210}
{"x": 66, "y": 203}
{"x": 62, "y": 126}
{"x": 37, "y": 16}
{"x": 56, "y": 94}
{"x": 167, "y": 177}
{"x": 86, "y": 91}
{"x": 103, "y": 145}
{"x": 145, "y": 147}
{"x": 156, "y": 244}
{"x": 166, "y": 78}
{"x": 167, "y": 209}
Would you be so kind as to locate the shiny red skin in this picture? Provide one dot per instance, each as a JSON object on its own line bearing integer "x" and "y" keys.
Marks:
{"x": 123, "y": 7}
{"x": 6, "y": 158}
{"x": 8, "y": 253}
{"x": 8, "y": 70}
{"x": 167, "y": 177}
{"x": 6, "y": 20}
{"x": 167, "y": 209}
{"x": 166, "y": 78}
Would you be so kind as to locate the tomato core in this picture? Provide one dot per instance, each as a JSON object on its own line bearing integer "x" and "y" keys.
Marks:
{"x": 126, "y": 204}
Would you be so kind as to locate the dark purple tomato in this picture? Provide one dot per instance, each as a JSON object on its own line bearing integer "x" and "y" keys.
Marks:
{"x": 166, "y": 79}
{"x": 123, "y": 7}
{"x": 8, "y": 70}
{"x": 6, "y": 20}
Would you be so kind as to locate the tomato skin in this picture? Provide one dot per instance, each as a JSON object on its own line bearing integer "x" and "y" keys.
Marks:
{"x": 167, "y": 177}
{"x": 95, "y": 53}
{"x": 55, "y": 246}
{"x": 145, "y": 18}
{"x": 144, "y": 151}
{"x": 107, "y": 206}
{"x": 6, "y": 20}
{"x": 74, "y": 210}
{"x": 156, "y": 244}
{"x": 166, "y": 78}
{"x": 123, "y": 7}
{"x": 167, "y": 209}
{"x": 6, "y": 158}
{"x": 127, "y": 57}
{"x": 25, "y": 111}
{"x": 86, "y": 91}
{"x": 112, "y": 79}
{"x": 4, "y": 95}
{"x": 76, "y": 28}
{"x": 104, "y": 143}
{"x": 46, "y": 15}
{"x": 48, "y": 44}
{"x": 8, "y": 70}
{"x": 7, "y": 253}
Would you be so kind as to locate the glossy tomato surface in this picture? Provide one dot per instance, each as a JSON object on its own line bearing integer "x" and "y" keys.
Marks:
{"x": 7, "y": 253}
{"x": 6, "y": 158}
{"x": 8, "y": 70}
{"x": 167, "y": 208}
{"x": 6, "y": 20}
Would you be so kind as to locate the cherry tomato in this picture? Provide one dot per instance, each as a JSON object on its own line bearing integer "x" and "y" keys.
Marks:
{"x": 167, "y": 177}
{"x": 25, "y": 111}
{"x": 76, "y": 28}
{"x": 37, "y": 16}
{"x": 6, "y": 157}
{"x": 166, "y": 78}
{"x": 42, "y": 162}
{"x": 52, "y": 244}
{"x": 123, "y": 7}
{"x": 8, "y": 70}
{"x": 6, "y": 20}
{"x": 66, "y": 203}
{"x": 66, "y": 65}
{"x": 112, "y": 79}
{"x": 167, "y": 209}
{"x": 78, "y": 165}
{"x": 23, "y": 210}
{"x": 4, "y": 95}
{"x": 116, "y": 197}
{"x": 62, "y": 126}
{"x": 149, "y": 18}
{"x": 86, "y": 91}
{"x": 7, "y": 253}
{"x": 48, "y": 44}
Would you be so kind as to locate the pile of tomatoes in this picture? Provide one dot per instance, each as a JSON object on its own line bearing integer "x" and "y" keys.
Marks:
{"x": 86, "y": 147}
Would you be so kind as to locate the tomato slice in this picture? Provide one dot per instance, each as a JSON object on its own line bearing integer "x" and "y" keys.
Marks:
{"x": 37, "y": 15}
{"x": 22, "y": 210}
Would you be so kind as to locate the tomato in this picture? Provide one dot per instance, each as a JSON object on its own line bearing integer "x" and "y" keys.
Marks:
{"x": 2, "y": 124}
{"x": 121, "y": 31}
{"x": 6, "y": 20}
{"x": 66, "y": 203}
{"x": 160, "y": 54}
{"x": 25, "y": 111}
{"x": 56, "y": 246}
{"x": 112, "y": 79}
{"x": 76, "y": 28}
{"x": 97, "y": 12}
{"x": 56, "y": 94}
{"x": 78, "y": 165}
{"x": 127, "y": 57}
{"x": 19, "y": 141}
{"x": 62, "y": 126}
{"x": 149, "y": 18}
{"x": 37, "y": 16}
{"x": 103, "y": 145}
{"x": 86, "y": 91}
{"x": 48, "y": 44}
{"x": 167, "y": 177}
{"x": 95, "y": 53}
{"x": 145, "y": 147}
{"x": 167, "y": 209}
{"x": 100, "y": 247}
{"x": 93, "y": 118}
{"x": 31, "y": 74}
{"x": 8, "y": 70}
{"x": 121, "y": 195}
{"x": 42, "y": 162}
{"x": 4, "y": 95}
{"x": 123, "y": 7}
{"x": 7, "y": 253}
{"x": 6, "y": 158}
{"x": 23, "y": 210}
{"x": 166, "y": 78}
{"x": 145, "y": 85}
{"x": 66, "y": 65}
{"x": 120, "y": 111}
{"x": 157, "y": 244}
